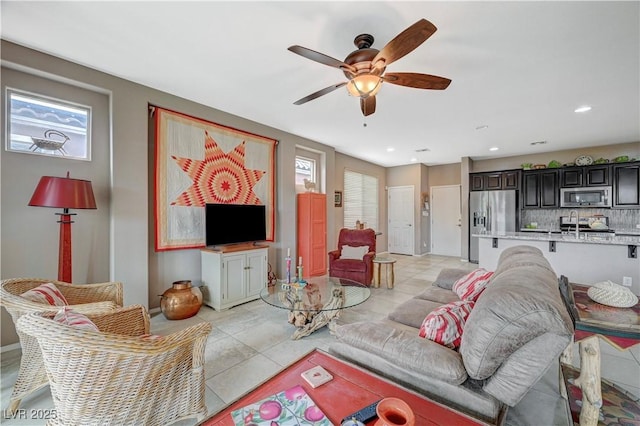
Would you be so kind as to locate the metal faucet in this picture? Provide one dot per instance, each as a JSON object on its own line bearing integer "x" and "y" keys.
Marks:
{"x": 577, "y": 222}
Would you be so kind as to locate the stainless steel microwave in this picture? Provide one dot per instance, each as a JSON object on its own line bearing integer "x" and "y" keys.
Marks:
{"x": 593, "y": 196}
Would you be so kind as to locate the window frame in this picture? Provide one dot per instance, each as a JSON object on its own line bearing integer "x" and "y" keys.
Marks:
{"x": 313, "y": 172}
{"x": 58, "y": 130}
{"x": 348, "y": 199}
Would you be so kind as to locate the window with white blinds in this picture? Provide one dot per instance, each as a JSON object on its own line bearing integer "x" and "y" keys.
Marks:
{"x": 360, "y": 200}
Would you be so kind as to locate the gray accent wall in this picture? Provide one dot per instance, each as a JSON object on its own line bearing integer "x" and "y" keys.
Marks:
{"x": 121, "y": 246}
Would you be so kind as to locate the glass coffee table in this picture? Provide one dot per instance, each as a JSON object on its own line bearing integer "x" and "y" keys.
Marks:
{"x": 316, "y": 304}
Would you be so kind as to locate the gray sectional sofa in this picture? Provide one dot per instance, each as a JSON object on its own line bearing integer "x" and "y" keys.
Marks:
{"x": 517, "y": 328}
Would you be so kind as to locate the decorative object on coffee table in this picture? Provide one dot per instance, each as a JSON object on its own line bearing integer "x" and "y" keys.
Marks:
{"x": 612, "y": 294}
{"x": 394, "y": 412}
{"x": 292, "y": 407}
{"x": 181, "y": 301}
{"x": 316, "y": 304}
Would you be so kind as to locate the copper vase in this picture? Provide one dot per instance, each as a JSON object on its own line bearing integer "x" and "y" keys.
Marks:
{"x": 181, "y": 301}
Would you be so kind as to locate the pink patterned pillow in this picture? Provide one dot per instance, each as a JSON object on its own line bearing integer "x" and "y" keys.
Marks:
{"x": 46, "y": 293}
{"x": 74, "y": 319}
{"x": 445, "y": 324}
{"x": 472, "y": 285}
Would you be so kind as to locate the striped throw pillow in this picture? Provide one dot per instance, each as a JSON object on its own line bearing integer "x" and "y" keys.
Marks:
{"x": 46, "y": 293}
{"x": 74, "y": 319}
{"x": 444, "y": 325}
{"x": 472, "y": 285}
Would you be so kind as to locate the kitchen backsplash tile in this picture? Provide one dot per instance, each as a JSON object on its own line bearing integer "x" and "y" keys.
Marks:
{"x": 550, "y": 218}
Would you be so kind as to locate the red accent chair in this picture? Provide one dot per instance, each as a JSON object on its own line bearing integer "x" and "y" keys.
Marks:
{"x": 360, "y": 270}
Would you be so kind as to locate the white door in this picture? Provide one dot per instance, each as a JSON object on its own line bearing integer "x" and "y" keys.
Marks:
{"x": 400, "y": 212}
{"x": 446, "y": 220}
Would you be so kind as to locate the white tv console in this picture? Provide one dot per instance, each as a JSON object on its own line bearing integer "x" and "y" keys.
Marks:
{"x": 233, "y": 275}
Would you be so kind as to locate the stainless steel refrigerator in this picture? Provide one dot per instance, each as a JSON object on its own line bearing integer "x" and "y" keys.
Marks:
{"x": 489, "y": 212}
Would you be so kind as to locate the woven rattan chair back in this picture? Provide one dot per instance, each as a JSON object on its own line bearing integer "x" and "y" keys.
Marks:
{"x": 111, "y": 378}
{"x": 85, "y": 298}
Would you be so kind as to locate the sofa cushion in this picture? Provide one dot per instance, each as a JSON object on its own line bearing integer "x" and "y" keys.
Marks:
{"x": 445, "y": 324}
{"x": 349, "y": 265}
{"x": 413, "y": 311}
{"x": 471, "y": 285}
{"x": 448, "y": 276}
{"x": 46, "y": 293}
{"x": 349, "y": 252}
{"x": 405, "y": 349}
{"x": 519, "y": 305}
{"x": 518, "y": 259}
{"x": 438, "y": 294}
{"x": 510, "y": 251}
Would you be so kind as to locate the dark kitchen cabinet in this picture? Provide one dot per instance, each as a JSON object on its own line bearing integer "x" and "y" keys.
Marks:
{"x": 511, "y": 179}
{"x": 598, "y": 175}
{"x": 476, "y": 182}
{"x": 540, "y": 189}
{"x": 626, "y": 185}
{"x": 493, "y": 181}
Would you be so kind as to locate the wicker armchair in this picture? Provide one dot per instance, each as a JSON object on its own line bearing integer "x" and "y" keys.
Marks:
{"x": 107, "y": 377}
{"x": 87, "y": 298}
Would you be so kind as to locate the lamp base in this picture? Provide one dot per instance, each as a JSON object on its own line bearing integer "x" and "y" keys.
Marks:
{"x": 64, "y": 250}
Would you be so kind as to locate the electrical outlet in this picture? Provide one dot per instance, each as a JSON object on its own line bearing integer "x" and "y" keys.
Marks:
{"x": 638, "y": 225}
{"x": 626, "y": 281}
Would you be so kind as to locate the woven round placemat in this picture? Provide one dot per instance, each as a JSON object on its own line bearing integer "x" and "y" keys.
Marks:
{"x": 612, "y": 294}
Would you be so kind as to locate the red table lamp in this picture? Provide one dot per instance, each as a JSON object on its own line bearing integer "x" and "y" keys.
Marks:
{"x": 64, "y": 193}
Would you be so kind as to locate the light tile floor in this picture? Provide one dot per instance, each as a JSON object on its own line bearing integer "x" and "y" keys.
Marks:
{"x": 251, "y": 342}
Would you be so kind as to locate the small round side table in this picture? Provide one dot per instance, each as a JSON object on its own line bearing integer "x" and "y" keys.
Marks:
{"x": 388, "y": 264}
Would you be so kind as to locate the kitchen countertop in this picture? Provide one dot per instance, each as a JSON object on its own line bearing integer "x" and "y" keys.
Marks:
{"x": 585, "y": 237}
{"x": 558, "y": 231}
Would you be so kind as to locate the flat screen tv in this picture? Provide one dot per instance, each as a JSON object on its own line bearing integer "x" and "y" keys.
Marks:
{"x": 234, "y": 223}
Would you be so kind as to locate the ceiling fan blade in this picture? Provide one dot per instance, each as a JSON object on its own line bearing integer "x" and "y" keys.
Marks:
{"x": 419, "y": 81}
{"x": 319, "y": 93}
{"x": 404, "y": 43}
{"x": 321, "y": 58}
{"x": 368, "y": 105}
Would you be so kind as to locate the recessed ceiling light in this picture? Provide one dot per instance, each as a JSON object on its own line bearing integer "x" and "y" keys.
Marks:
{"x": 482, "y": 127}
{"x": 493, "y": 148}
{"x": 391, "y": 149}
{"x": 538, "y": 143}
{"x": 414, "y": 159}
{"x": 584, "y": 108}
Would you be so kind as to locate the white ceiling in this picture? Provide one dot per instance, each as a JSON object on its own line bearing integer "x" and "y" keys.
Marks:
{"x": 520, "y": 68}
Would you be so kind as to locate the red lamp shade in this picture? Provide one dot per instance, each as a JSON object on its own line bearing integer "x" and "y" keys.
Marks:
{"x": 63, "y": 192}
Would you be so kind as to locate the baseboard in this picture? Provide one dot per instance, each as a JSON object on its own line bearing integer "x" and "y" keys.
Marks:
{"x": 154, "y": 310}
{"x": 11, "y": 347}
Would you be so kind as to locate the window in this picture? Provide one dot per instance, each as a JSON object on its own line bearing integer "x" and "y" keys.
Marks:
{"x": 305, "y": 169}
{"x": 360, "y": 200}
{"x": 40, "y": 125}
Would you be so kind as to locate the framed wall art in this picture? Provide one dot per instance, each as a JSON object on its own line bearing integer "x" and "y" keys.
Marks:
{"x": 337, "y": 199}
{"x": 199, "y": 162}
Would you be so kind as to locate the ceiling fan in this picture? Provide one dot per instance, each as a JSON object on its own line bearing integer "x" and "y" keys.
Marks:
{"x": 365, "y": 67}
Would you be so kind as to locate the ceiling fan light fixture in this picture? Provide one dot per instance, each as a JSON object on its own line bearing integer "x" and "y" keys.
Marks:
{"x": 364, "y": 85}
